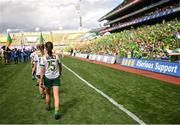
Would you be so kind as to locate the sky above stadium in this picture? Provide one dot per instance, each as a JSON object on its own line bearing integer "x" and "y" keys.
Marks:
{"x": 52, "y": 14}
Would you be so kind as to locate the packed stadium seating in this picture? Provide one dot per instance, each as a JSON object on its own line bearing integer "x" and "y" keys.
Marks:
{"x": 150, "y": 42}
{"x": 139, "y": 29}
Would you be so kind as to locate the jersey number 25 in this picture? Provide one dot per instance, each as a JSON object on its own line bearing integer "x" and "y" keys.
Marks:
{"x": 52, "y": 65}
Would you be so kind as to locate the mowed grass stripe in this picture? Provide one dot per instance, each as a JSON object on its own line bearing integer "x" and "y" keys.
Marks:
{"x": 111, "y": 100}
{"x": 153, "y": 101}
{"x": 86, "y": 106}
{"x": 20, "y": 101}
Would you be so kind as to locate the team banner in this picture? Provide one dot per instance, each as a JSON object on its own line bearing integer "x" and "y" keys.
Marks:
{"x": 168, "y": 68}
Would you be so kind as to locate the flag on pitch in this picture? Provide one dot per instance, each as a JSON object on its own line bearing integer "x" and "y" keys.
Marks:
{"x": 9, "y": 40}
{"x": 41, "y": 40}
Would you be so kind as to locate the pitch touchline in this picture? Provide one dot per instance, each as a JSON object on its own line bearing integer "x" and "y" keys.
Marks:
{"x": 121, "y": 107}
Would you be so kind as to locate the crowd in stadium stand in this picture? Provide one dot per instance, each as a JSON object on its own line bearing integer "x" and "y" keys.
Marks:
{"x": 164, "y": 8}
{"x": 148, "y": 42}
{"x": 156, "y": 11}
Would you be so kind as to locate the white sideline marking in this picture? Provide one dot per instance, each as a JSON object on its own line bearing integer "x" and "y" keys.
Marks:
{"x": 121, "y": 107}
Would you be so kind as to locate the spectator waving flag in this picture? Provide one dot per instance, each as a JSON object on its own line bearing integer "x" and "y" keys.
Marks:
{"x": 41, "y": 40}
{"x": 9, "y": 40}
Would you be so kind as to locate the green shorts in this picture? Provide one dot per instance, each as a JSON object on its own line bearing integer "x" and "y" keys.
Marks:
{"x": 51, "y": 82}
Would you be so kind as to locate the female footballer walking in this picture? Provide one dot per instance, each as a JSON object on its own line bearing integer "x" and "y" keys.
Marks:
{"x": 50, "y": 73}
{"x": 37, "y": 59}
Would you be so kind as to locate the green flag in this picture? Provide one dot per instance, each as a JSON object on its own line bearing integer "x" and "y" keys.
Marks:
{"x": 41, "y": 40}
{"x": 9, "y": 40}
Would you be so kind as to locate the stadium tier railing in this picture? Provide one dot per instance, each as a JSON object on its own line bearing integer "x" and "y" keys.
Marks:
{"x": 138, "y": 12}
{"x": 143, "y": 19}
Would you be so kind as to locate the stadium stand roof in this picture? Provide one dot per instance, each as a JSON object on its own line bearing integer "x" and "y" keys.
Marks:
{"x": 122, "y": 7}
{"x": 133, "y": 12}
{"x": 139, "y": 11}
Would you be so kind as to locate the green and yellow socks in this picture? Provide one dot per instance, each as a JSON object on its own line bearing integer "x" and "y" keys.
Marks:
{"x": 57, "y": 113}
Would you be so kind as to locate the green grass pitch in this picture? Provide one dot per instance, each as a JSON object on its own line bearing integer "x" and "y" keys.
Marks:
{"x": 153, "y": 101}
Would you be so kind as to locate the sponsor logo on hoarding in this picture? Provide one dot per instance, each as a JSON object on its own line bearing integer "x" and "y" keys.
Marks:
{"x": 155, "y": 66}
